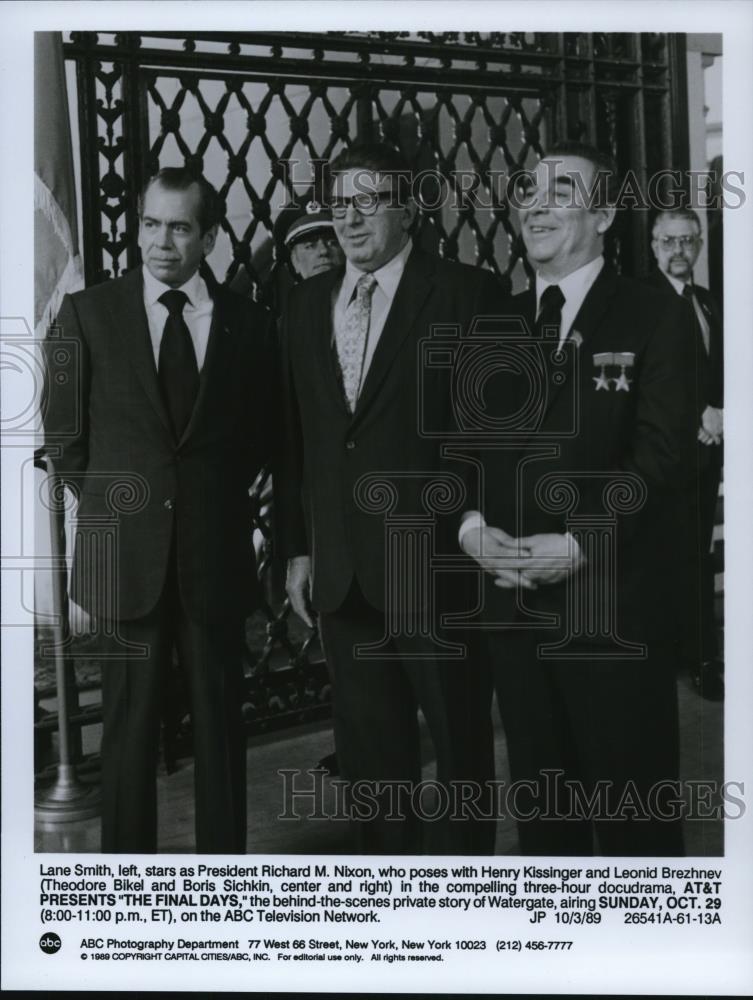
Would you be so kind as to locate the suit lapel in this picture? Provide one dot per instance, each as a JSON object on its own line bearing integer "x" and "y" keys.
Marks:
{"x": 595, "y": 305}
{"x": 703, "y": 299}
{"x": 526, "y": 302}
{"x": 586, "y": 325}
{"x": 323, "y": 337}
{"x": 129, "y": 319}
{"x": 415, "y": 284}
{"x": 662, "y": 281}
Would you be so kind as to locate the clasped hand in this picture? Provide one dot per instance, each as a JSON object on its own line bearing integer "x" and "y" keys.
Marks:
{"x": 712, "y": 425}
{"x": 526, "y": 562}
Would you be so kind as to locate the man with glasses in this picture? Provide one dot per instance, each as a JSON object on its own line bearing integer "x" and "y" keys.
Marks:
{"x": 353, "y": 382}
{"x": 676, "y": 244}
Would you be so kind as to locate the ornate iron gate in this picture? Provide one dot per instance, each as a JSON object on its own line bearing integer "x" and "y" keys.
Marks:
{"x": 251, "y": 108}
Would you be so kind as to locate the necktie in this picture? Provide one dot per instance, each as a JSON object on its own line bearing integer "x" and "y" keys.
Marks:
{"x": 550, "y": 312}
{"x": 178, "y": 371}
{"x": 350, "y": 339}
{"x": 687, "y": 293}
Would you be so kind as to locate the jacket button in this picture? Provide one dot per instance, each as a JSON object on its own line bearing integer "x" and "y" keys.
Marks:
{"x": 350, "y": 445}
{"x": 168, "y": 504}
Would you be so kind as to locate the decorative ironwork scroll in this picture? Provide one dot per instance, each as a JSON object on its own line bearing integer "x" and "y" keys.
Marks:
{"x": 253, "y": 110}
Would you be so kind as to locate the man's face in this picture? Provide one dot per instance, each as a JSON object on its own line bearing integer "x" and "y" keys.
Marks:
{"x": 316, "y": 252}
{"x": 560, "y": 232}
{"x": 676, "y": 245}
{"x": 370, "y": 240}
{"x": 170, "y": 237}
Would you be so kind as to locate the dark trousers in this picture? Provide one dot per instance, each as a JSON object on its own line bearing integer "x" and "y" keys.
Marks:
{"x": 132, "y": 692}
{"x": 378, "y": 740}
{"x": 589, "y": 722}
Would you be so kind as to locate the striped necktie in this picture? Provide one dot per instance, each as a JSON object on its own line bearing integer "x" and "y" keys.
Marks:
{"x": 351, "y": 337}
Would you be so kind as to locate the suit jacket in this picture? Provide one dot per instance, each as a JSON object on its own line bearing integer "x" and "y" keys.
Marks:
{"x": 328, "y": 449}
{"x": 588, "y": 436}
{"x": 711, "y": 363}
{"x": 109, "y": 435}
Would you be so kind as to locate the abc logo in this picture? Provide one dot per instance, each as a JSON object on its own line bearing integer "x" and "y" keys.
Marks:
{"x": 50, "y": 943}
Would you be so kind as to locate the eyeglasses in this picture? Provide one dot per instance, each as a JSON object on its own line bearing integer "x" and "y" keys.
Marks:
{"x": 365, "y": 203}
{"x": 672, "y": 242}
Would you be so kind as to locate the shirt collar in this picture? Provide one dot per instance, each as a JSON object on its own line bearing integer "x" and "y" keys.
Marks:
{"x": 677, "y": 283}
{"x": 573, "y": 286}
{"x": 387, "y": 276}
{"x": 195, "y": 288}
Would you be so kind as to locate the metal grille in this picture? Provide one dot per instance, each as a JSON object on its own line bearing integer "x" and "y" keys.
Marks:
{"x": 253, "y": 110}
{"x": 261, "y": 113}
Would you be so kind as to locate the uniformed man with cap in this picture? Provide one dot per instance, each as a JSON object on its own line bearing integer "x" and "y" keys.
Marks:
{"x": 308, "y": 236}
{"x": 311, "y": 247}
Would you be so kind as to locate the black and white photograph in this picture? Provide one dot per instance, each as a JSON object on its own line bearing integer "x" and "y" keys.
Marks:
{"x": 376, "y": 492}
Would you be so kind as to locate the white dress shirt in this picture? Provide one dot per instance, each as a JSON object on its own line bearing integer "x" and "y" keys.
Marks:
{"x": 387, "y": 279}
{"x": 197, "y": 312}
{"x": 574, "y": 287}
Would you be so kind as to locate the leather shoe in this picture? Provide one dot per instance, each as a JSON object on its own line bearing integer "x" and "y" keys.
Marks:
{"x": 709, "y": 681}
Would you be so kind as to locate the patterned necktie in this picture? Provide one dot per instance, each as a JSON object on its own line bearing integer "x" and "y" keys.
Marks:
{"x": 687, "y": 293}
{"x": 550, "y": 314}
{"x": 350, "y": 339}
{"x": 178, "y": 371}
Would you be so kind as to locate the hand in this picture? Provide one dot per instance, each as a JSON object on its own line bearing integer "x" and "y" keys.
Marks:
{"x": 298, "y": 587}
{"x": 553, "y": 558}
{"x": 710, "y": 431}
{"x": 498, "y": 554}
{"x": 80, "y": 622}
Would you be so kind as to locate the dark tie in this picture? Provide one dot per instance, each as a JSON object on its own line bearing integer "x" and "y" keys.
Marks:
{"x": 178, "y": 371}
{"x": 550, "y": 313}
{"x": 687, "y": 293}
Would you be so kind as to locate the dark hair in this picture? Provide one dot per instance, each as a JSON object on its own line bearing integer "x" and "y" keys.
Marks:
{"x": 211, "y": 207}
{"x": 377, "y": 157}
{"x": 605, "y": 185}
{"x": 677, "y": 213}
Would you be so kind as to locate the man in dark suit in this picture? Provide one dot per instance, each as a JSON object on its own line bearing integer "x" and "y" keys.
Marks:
{"x": 576, "y": 531}
{"x": 164, "y": 424}
{"x": 676, "y": 244}
{"x": 353, "y": 381}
